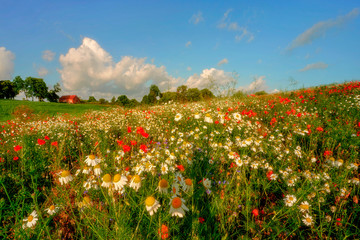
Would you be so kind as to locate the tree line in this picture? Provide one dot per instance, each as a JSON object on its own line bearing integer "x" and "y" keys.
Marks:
{"x": 183, "y": 94}
{"x": 31, "y": 87}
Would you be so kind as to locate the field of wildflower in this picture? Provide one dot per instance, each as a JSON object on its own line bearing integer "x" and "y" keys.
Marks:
{"x": 281, "y": 166}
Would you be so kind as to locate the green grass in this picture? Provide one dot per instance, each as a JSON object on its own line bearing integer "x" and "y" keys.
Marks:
{"x": 45, "y": 108}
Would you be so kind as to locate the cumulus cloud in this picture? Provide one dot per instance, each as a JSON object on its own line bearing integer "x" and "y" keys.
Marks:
{"x": 241, "y": 31}
{"x": 319, "y": 29}
{"x": 224, "y": 61}
{"x": 319, "y": 65}
{"x": 6, "y": 64}
{"x": 259, "y": 84}
{"x": 42, "y": 71}
{"x": 188, "y": 44}
{"x": 48, "y": 55}
{"x": 90, "y": 70}
{"x": 208, "y": 78}
{"x": 196, "y": 18}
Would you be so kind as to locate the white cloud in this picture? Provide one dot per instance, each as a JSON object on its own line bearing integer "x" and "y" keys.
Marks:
{"x": 90, "y": 70}
{"x": 42, "y": 71}
{"x": 319, "y": 29}
{"x": 242, "y": 31}
{"x": 208, "y": 78}
{"x": 319, "y": 65}
{"x": 259, "y": 84}
{"x": 224, "y": 61}
{"x": 188, "y": 44}
{"x": 196, "y": 18}
{"x": 6, "y": 64}
{"x": 48, "y": 55}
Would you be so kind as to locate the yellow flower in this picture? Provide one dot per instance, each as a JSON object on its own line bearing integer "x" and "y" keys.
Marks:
{"x": 30, "y": 221}
{"x": 65, "y": 177}
{"x": 151, "y": 205}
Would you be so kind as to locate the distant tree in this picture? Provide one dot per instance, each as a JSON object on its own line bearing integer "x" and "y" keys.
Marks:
{"x": 19, "y": 84}
{"x": 52, "y": 94}
{"x": 193, "y": 95}
{"x": 154, "y": 94}
{"x": 35, "y": 87}
{"x": 260, "y": 93}
{"x": 206, "y": 94}
{"x": 7, "y": 89}
{"x": 181, "y": 93}
{"x": 113, "y": 100}
{"x": 239, "y": 94}
{"x": 145, "y": 100}
{"x": 133, "y": 103}
{"x": 123, "y": 100}
{"x": 168, "y": 96}
{"x": 92, "y": 99}
{"x": 103, "y": 101}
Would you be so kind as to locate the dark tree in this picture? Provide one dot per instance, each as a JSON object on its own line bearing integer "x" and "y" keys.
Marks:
{"x": 206, "y": 94}
{"x": 193, "y": 95}
{"x": 92, "y": 99}
{"x": 35, "y": 87}
{"x": 7, "y": 89}
{"x": 123, "y": 100}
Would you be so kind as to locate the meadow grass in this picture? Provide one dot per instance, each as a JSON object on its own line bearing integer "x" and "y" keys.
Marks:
{"x": 268, "y": 167}
{"x": 7, "y": 107}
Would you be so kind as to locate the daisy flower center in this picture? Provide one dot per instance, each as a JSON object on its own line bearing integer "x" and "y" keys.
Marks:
{"x": 308, "y": 220}
{"x": 149, "y": 201}
{"x": 117, "y": 178}
{"x": 305, "y": 207}
{"x": 92, "y": 156}
{"x": 86, "y": 199}
{"x": 97, "y": 166}
{"x": 107, "y": 178}
{"x": 65, "y": 173}
{"x": 163, "y": 183}
{"x": 30, "y": 218}
{"x": 188, "y": 182}
{"x": 136, "y": 179}
{"x": 52, "y": 207}
{"x": 176, "y": 202}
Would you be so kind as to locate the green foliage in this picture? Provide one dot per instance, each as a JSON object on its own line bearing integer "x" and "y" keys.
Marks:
{"x": 260, "y": 93}
{"x": 123, "y": 100}
{"x": 35, "y": 87}
{"x": 206, "y": 94}
{"x": 7, "y": 89}
{"x": 168, "y": 97}
{"x": 193, "y": 95}
{"x": 92, "y": 99}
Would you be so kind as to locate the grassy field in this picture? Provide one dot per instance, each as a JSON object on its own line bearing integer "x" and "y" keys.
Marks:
{"x": 280, "y": 166}
{"x": 7, "y": 107}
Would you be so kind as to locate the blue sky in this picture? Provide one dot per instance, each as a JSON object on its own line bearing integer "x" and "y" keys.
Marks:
{"x": 109, "y": 48}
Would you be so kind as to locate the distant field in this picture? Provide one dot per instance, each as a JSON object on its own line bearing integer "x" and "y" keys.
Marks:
{"x": 51, "y": 109}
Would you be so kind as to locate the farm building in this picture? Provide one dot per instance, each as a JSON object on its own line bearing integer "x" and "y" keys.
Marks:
{"x": 69, "y": 99}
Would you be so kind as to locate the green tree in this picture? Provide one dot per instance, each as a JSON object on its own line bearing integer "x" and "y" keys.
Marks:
{"x": 206, "y": 94}
{"x": 113, "y": 100}
{"x": 7, "y": 89}
{"x": 19, "y": 84}
{"x": 181, "y": 93}
{"x": 103, "y": 101}
{"x": 154, "y": 94}
{"x": 145, "y": 100}
{"x": 52, "y": 94}
{"x": 123, "y": 100}
{"x": 35, "y": 87}
{"x": 168, "y": 96}
{"x": 133, "y": 103}
{"x": 193, "y": 95}
{"x": 92, "y": 99}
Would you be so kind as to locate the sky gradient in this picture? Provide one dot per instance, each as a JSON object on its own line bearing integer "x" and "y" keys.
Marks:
{"x": 111, "y": 48}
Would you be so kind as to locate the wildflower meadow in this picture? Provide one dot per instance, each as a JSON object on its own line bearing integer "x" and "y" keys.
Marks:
{"x": 277, "y": 166}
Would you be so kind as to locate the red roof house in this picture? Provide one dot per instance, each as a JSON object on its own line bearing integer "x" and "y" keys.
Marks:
{"x": 69, "y": 99}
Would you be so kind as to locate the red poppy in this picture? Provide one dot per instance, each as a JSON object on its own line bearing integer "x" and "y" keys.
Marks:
{"x": 143, "y": 147}
{"x": 255, "y": 212}
{"x": 126, "y": 148}
{"x": 164, "y": 231}
{"x": 201, "y": 219}
{"x": 129, "y": 129}
{"x": 181, "y": 168}
{"x": 47, "y": 138}
{"x": 119, "y": 142}
{"x": 54, "y": 143}
{"x": 133, "y": 142}
{"x": 16, "y": 158}
{"x": 41, "y": 142}
{"x": 320, "y": 129}
{"x": 17, "y": 148}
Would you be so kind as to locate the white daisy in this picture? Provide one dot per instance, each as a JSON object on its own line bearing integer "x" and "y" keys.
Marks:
{"x": 308, "y": 220}
{"x": 119, "y": 182}
{"x": 31, "y": 220}
{"x": 97, "y": 170}
{"x": 207, "y": 183}
{"x": 65, "y": 177}
{"x": 151, "y": 205}
{"x": 178, "y": 116}
{"x": 290, "y": 200}
{"x": 187, "y": 184}
{"x": 52, "y": 209}
{"x": 135, "y": 182}
{"x": 163, "y": 186}
{"x": 92, "y": 160}
{"x": 177, "y": 207}
{"x": 106, "y": 181}
{"x": 304, "y": 207}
